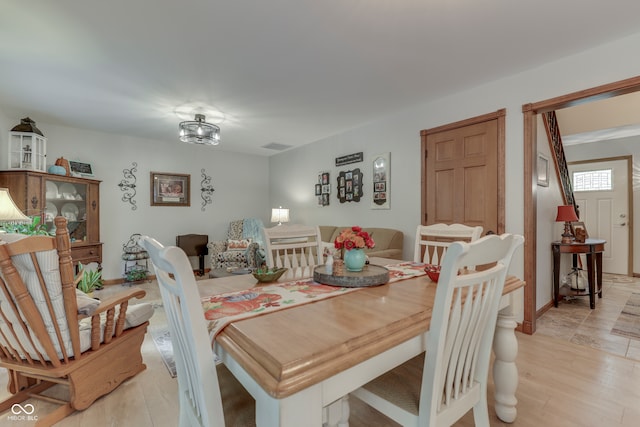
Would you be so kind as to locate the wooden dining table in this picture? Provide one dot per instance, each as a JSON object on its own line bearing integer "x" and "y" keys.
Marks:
{"x": 300, "y": 363}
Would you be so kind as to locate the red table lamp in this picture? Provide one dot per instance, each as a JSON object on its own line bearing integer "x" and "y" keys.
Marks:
{"x": 567, "y": 215}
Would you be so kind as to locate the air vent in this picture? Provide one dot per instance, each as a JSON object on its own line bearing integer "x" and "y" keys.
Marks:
{"x": 277, "y": 147}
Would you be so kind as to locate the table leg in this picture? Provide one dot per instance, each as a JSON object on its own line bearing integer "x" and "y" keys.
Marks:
{"x": 300, "y": 409}
{"x": 336, "y": 414}
{"x": 505, "y": 371}
{"x": 599, "y": 273}
{"x": 591, "y": 280}
{"x": 556, "y": 274}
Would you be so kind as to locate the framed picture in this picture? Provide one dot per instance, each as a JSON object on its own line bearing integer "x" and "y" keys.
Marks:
{"x": 80, "y": 169}
{"x": 381, "y": 172}
{"x": 318, "y": 189}
{"x": 579, "y": 231}
{"x": 543, "y": 170}
{"x": 170, "y": 189}
{"x": 350, "y": 186}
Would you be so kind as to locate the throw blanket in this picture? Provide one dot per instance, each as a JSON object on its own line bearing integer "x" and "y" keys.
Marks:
{"x": 252, "y": 229}
{"x": 220, "y": 310}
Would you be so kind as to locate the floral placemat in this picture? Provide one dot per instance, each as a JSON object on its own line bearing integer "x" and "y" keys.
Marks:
{"x": 222, "y": 309}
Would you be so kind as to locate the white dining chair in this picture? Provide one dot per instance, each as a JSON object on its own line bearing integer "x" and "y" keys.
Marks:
{"x": 433, "y": 240}
{"x": 439, "y": 388}
{"x": 209, "y": 395}
{"x": 295, "y": 247}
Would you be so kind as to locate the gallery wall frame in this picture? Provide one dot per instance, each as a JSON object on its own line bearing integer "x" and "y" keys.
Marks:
{"x": 170, "y": 189}
{"x": 323, "y": 189}
{"x": 381, "y": 174}
{"x": 350, "y": 186}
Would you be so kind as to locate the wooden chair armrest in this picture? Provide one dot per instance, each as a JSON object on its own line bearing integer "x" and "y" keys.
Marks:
{"x": 119, "y": 298}
{"x": 113, "y": 324}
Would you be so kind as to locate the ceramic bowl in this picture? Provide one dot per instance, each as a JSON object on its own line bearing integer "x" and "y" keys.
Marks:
{"x": 433, "y": 271}
{"x": 269, "y": 277}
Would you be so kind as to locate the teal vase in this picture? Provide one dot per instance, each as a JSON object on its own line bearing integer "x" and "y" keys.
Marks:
{"x": 355, "y": 259}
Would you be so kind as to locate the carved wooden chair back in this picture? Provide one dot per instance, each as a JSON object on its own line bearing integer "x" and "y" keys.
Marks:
{"x": 42, "y": 340}
{"x": 295, "y": 247}
{"x": 433, "y": 240}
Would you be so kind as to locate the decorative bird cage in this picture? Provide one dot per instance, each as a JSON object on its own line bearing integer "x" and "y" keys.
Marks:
{"x": 27, "y": 147}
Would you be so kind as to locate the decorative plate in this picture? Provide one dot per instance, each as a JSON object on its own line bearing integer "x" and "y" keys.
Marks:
{"x": 50, "y": 211}
{"x": 69, "y": 211}
{"x": 70, "y": 189}
{"x": 52, "y": 191}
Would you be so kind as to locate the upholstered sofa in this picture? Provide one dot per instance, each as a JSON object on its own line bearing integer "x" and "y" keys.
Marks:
{"x": 388, "y": 241}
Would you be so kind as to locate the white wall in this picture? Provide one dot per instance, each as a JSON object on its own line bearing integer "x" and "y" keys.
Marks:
{"x": 294, "y": 172}
{"x": 240, "y": 182}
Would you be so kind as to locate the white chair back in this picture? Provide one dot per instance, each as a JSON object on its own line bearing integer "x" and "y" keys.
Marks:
{"x": 295, "y": 247}
{"x": 433, "y": 240}
{"x": 438, "y": 388}
{"x": 459, "y": 343}
{"x": 198, "y": 388}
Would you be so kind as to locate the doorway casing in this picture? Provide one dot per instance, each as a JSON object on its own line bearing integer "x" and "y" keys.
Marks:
{"x": 530, "y": 177}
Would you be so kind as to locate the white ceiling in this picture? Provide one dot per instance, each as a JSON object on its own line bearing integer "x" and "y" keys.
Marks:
{"x": 279, "y": 71}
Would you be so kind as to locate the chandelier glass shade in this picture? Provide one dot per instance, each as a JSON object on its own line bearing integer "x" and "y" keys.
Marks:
{"x": 199, "y": 132}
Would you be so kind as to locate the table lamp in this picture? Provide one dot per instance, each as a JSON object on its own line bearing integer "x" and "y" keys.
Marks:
{"x": 566, "y": 214}
{"x": 279, "y": 215}
{"x": 9, "y": 212}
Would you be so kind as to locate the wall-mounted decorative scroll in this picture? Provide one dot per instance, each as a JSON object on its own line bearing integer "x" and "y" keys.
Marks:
{"x": 128, "y": 185}
{"x": 350, "y": 186}
{"x": 381, "y": 174}
{"x": 323, "y": 189}
{"x": 206, "y": 190}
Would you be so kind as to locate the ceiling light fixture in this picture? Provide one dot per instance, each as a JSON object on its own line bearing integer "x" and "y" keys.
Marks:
{"x": 199, "y": 132}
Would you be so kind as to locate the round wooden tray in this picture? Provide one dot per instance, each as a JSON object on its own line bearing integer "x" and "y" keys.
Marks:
{"x": 371, "y": 275}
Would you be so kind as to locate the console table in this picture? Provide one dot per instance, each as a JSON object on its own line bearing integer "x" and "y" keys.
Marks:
{"x": 593, "y": 248}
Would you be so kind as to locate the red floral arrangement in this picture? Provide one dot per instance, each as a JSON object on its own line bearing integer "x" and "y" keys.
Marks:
{"x": 354, "y": 238}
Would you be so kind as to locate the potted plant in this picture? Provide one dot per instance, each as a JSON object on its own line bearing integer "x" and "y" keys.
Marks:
{"x": 89, "y": 280}
{"x": 135, "y": 275}
{"x": 32, "y": 229}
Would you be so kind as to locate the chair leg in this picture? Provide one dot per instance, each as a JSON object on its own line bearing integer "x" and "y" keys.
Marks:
{"x": 481, "y": 410}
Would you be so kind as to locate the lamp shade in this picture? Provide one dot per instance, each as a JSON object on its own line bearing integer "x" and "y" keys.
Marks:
{"x": 566, "y": 213}
{"x": 9, "y": 212}
{"x": 279, "y": 215}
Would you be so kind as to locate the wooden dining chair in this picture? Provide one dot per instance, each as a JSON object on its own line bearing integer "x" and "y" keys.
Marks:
{"x": 209, "y": 395}
{"x": 295, "y": 247}
{"x": 433, "y": 240}
{"x": 53, "y": 335}
{"x": 439, "y": 388}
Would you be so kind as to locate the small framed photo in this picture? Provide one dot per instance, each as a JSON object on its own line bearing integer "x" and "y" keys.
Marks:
{"x": 543, "y": 170}
{"x": 326, "y": 188}
{"x": 318, "y": 189}
{"x": 170, "y": 189}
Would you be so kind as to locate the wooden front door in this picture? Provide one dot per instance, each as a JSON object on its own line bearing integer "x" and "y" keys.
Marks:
{"x": 463, "y": 173}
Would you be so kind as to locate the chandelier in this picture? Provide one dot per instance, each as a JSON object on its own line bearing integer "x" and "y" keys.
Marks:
{"x": 199, "y": 132}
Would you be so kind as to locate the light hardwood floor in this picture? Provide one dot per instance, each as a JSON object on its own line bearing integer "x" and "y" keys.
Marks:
{"x": 561, "y": 384}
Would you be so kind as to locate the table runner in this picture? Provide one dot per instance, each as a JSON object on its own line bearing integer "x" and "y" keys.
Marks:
{"x": 222, "y": 309}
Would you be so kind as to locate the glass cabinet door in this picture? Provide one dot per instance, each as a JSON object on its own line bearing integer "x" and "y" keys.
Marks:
{"x": 70, "y": 201}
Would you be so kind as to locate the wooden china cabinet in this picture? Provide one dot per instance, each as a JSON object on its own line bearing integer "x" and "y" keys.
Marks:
{"x": 77, "y": 199}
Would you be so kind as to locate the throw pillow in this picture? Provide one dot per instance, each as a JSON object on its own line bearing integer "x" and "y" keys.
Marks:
{"x": 238, "y": 245}
{"x": 86, "y": 304}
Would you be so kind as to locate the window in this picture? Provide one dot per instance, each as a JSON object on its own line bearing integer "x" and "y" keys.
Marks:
{"x": 597, "y": 180}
